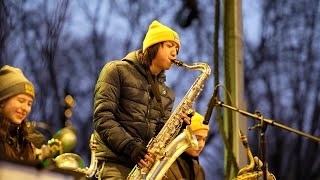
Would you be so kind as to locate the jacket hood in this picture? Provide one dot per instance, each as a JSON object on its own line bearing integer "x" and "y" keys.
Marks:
{"x": 133, "y": 58}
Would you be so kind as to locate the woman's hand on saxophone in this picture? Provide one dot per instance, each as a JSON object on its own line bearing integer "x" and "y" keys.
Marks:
{"x": 140, "y": 154}
{"x": 187, "y": 116}
{"x": 144, "y": 162}
{"x": 147, "y": 157}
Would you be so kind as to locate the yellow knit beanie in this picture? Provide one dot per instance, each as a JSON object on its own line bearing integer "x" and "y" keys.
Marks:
{"x": 197, "y": 122}
{"x": 158, "y": 33}
{"x": 13, "y": 82}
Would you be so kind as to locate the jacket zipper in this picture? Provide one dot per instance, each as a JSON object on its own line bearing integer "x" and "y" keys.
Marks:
{"x": 148, "y": 108}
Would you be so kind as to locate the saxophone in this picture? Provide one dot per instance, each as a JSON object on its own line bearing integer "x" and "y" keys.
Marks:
{"x": 248, "y": 172}
{"x": 91, "y": 170}
{"x": 166, "y": 146}
{"x": 72, "y": 161}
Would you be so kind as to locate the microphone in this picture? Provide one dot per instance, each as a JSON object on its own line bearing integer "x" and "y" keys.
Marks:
{"x": 211, "y": 105}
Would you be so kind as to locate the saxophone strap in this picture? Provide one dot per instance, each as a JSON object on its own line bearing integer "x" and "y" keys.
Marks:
{"x": 156, "y": 92}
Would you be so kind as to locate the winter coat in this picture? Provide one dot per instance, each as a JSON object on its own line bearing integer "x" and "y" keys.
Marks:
{"x": 20, "y": 142}
{"x": 185, "y": 167}
{"x": 125, "y": 111}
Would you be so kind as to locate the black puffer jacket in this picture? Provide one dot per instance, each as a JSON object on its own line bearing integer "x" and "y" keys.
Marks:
{"x": 124, "y": 110}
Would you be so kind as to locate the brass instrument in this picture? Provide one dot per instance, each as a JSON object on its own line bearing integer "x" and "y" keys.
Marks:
{"x": 68, "y": 137}
{"x": 166, "y": 145}
{"x": 248, "y": 172}
{"x": 72, "y": 161}
{"x": 91, "y": 170}
{"x": 64, "y": 141}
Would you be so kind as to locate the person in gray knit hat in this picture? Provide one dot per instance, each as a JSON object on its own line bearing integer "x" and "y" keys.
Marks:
{"x": 18, "y": 138}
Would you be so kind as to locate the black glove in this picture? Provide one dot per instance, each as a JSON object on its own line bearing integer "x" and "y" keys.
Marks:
{"x": 160, "y": 125}
{"x": 136, "y": 151}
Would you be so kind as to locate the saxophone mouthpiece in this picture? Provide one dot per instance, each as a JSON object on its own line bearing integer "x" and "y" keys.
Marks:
{"x": 177, "y": 62}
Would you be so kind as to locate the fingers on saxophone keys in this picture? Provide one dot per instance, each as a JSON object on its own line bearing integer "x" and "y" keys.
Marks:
{"x": 150, "y": 151}
{"x": 140, "y": 164}
{"x": 148, "y": 158}
{"x": 143, "y": 163}
{"x": 186, "y": 118}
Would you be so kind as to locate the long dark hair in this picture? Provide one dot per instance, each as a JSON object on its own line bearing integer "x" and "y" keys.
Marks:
{"x": 4, "y": 122}
{"x": 7, "y": 151}
{"x": 150, "y": 54}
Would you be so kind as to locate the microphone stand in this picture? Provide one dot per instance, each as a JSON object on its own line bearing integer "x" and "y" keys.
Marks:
{"x": 263, "y": 127}
{"x": 262, "y": 141}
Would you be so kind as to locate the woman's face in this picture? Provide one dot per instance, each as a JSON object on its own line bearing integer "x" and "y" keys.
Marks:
{"x": 201, "y": 136}
{"x": 17, "y": 108}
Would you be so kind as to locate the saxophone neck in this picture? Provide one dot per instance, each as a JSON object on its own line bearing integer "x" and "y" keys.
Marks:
{"x": 91, "y": 170}
{"x": 177, "y": 62}
{"x": 204, "y": 67}
{"x": 245, "y": 143}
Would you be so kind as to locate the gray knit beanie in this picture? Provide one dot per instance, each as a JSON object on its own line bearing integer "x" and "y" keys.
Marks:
{"x": 13, "y": 82}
